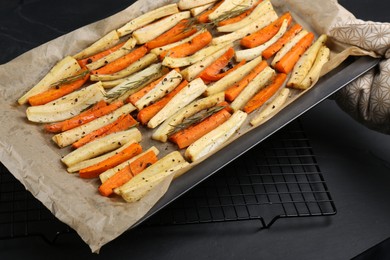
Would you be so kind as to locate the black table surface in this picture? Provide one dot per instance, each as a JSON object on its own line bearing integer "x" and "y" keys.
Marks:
{"x": 355, "y": 162}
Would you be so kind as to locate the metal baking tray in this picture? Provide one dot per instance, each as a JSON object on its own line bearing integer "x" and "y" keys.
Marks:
{"x": 348, "y": 71}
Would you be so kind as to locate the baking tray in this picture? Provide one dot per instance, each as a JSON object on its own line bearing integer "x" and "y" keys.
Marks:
{"x": 348, "y": 71}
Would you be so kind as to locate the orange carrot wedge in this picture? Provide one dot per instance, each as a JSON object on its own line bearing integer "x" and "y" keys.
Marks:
{"x": 74, "y": 121}
{"x": 287, "y": 62}
{"x": 204, "y": 17}
{"x": 209, "y": 78}
{"x": 188, "y": 48}
{"x": 232, "y": 92}
{"x": 218, "y": 64}
{"x": 96, "y": 169}
{"x": 59, "y": 91}
{"x": 145, "y": 114}
{"x": 122, "y": 123}
{"x": 99, "y": 55}
{"x": 177, "y": 33}
{"x": 122, "y": 62}
{"x": 126, "y": 173}
{"x": 265, "y": 34}
{"x": 240, "y": 16}
{"x": 265, "y": 94}
{"x": 189, "y": 135}
{"x": 274, "y": 48}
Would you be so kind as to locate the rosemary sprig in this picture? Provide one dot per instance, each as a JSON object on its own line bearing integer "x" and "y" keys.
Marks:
{"x": 194, "y": 119}
{"x": 70, "y": 79}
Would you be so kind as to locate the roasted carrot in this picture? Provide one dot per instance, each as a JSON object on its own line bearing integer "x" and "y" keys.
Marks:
{"x": 93, "y": 171}
{"x": 60, "y": 90}
{"x": 188, "y": 48}
{"x": 126, "y": 173}
{"x": 209, "y": 78}
{"x": 287, "y": 62}
{"x": 145, "y": 114}
{"x": 239, "y": 17}
{"x": 80, "y": 119}
{"x": 232, "y": 92}
{"x": 122, "y": 123}
{"x": 189, "y": 135}
{"x": 265, "y": 94}
{"x": 265, "y": 34}
{"x": 176, "y": 33}
{"x": 204, "y": 17}
{"x": 99, "y": 55}
{"x": 274, "y": 48}
{"x": 122, "y": 62}
{"x": 218, "y": 64}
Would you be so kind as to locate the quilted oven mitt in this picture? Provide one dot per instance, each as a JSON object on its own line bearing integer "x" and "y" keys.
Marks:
{"x": 367, "y": 99}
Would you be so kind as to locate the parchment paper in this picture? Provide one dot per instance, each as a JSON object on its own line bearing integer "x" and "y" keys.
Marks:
{"x": 34, "y": 160}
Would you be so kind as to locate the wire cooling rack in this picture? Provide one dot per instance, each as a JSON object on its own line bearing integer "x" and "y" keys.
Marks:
{"x": 279, "y": 178}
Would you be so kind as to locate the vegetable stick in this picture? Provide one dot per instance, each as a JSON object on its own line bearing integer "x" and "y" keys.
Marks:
{"x": 213, "y": 140}
{"x": 133, "y": 98}
{"x": 101, "y": 146}
{"x": 122, "y": 62}
{"x": 266, "y": 33}
{"x": 176, "y": 33}
{"x": 212, "y": 78}
{"x": 265, "y": 94}
{"x": 124, "y": 122}
{"x": 204, "y": 17}
{"x": 59, "y": 90}
{"x": 232, "y": 92}
{"x": 250, "y": 54}
{"x": 70, "y": 136}
{"x": 271, "y": 108}
{"x": 107, "y": 41}
{"x": 66, "y": 67}
{"x": 304, "y": 64}
{"x": 145, "y": 114}
{"x": 80, "y": 119}
{"x": 100, "y": 55}
{"x": 141, "y": 163}
{"x": 241, "y": 16}
{"x": 278, "y": 45}
{"x": 188, "y": 4}
{"x": 189, "y": 135}
{"x": 188, "y": 48}
{"x": 225, "y": 7}
{"x": 147, "y": 18}
{"x": 94, "y": 170}
{"x": 99, "y": 60}
{"x": 286, "y": 64}
{"x": 218, "y": 64}
{"x": 200, "y": 9}
{"x": 252, "y": 88}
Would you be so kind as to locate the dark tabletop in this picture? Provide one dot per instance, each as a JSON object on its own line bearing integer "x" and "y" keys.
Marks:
{"x": 355, "y": 162}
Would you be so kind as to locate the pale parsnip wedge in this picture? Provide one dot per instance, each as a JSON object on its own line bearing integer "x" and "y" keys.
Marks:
{"x": 200, "y": 9}
{"x": 65, "y": 68}
{"x": 263, "y": 21}
{"x": 226, "y": 7}
{"x": 288, "y": 46}
{"x": 147, "y": 18}
{"x": 260, "y": 10}
{"x": 111, "y": 83}
{"x": 252, "y": 53}
{"x": 110, "y": 172}
{"x": 136, "y": 66}
{"x": 166, "y": 85}
{"x": 67, "y": 106}
{"x": 198, "y": 56}
{"x": 232, "y": 78}
{"x": 140, "y": 184}
{"x": 185, "y": 96}
{"x": 134, "y": 82}
{"x": 188, "y": 4}
{"x": 101, "y": 146}
{"x": 162, "y": 132}
{"x": 153, "y": 30}
{"x": 68, "y": 137}
{"x": 304, "y": 64}
{"x": 271, "y": 108}
{"x": 107, "y": 41}
{"x": 315, "y": 71}
{"x": 125, "y": 49}
{"x": 213, "y": 140}
{"x": 252, "y": 88}
{"x": 84, "y": 164}
{"x": 191, "y": 72}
